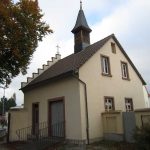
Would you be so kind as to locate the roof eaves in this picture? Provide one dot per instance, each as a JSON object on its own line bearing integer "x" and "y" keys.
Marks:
{"x": 131, "y": 63}
{"x": 31, "y": 86}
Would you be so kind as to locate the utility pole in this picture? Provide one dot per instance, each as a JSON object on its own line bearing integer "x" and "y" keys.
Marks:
{"x": 3, "y": 102}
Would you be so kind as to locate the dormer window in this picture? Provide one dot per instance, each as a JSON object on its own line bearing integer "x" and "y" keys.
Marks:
{"x": 124, "y": 68}
{"x": 105, "y": 65}
{"x": 113, "y": 47}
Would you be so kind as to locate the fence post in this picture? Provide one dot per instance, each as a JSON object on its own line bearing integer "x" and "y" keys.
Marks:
{"x": 8, "y": 127}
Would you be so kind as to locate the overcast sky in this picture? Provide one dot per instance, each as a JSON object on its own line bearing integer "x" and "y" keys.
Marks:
{"x": 127, "y": 19}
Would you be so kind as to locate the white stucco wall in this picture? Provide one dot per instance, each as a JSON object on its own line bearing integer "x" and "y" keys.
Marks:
{"x": 18, "y": 120}
{"x": 83, "y": 111}
{"x": 147, "y": 102}
{"x": 67, "y": 88}
{"x": 99, "y": 86}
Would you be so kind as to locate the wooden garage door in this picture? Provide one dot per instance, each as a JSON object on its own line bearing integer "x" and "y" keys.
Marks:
{"x": 56, "y": 118}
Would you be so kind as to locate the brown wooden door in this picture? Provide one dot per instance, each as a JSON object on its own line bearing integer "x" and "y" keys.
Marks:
{"x": 35, "y": 118}
{"x": 56, "y": 118}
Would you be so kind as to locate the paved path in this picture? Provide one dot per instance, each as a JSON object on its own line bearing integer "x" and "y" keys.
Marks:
{"x": 12, "y": 147}
{"x": 2, "y": 147}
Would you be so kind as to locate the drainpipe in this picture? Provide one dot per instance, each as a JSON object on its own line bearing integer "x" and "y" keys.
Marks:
{"x": 86, "y": 107}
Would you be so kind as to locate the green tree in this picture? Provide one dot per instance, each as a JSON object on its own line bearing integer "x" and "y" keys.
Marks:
{"x": 1, "y": 104}
{"x": 8, "y": 103}
{"x": 21, "y": 27}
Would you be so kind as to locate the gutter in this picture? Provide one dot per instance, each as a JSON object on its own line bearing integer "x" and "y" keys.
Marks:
{"x": 86, "y": 106}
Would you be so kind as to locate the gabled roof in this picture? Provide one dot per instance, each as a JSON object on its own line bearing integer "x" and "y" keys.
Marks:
{"x": 75, "y": 61}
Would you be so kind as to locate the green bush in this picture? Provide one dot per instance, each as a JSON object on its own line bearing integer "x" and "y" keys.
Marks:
{"x": 142, "y": 137}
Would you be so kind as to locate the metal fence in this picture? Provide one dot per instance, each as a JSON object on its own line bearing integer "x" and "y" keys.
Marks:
{"x": 43, "y": 137}
{"x": 43, "y": 131}
{"x": 2, "y": 132}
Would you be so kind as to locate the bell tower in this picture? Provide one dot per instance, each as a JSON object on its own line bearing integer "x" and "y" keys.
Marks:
{"x": 81, "y": 32}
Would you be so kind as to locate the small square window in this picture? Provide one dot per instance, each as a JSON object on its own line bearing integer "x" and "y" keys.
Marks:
{"x": 109, "y": 103}
{"x": 124, "y": 68}
{"x": 113, "y": 48}
{"x": 105, "y": 65}
{"x": 129, "y": 104}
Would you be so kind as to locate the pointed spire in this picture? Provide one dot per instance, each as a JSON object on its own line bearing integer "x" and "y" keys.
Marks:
{"x": 80, "y": 4}
{"x": 81, "y": 31}
{"x": 81, "y": 21}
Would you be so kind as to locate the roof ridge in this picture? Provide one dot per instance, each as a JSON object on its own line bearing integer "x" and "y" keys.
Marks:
{"x": 111, "y": 35}
{"x": 90, "y": 45}
{"x": 67, "y": 56}
{"x": 75, "y": 61}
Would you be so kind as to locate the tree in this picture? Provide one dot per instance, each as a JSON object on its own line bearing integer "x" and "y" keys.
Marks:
{"x": 21, "y": 27}
{"x": 8, "y": 103}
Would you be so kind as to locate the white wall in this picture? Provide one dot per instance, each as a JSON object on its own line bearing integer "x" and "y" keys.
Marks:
{"x": 67, "y": 88}
{"x": 18, "y": 120}
{"x": 99, "y": 86}
{"x": 147, "y": 102}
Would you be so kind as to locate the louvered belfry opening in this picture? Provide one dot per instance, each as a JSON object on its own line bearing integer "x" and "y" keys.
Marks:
{"x": 81, "y": 32}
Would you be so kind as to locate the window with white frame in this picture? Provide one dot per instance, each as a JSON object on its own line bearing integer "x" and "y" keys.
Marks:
{"x": 129, "y": 104}
{"x": 105, "y": 65}
{"x": 124, "y": 68}
{"x": 109, "y": 103}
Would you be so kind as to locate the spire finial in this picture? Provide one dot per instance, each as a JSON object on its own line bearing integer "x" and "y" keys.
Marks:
{"x": 80, "y": 4}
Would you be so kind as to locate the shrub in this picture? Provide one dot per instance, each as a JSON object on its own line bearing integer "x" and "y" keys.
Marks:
{"x": 142, "y": 137}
